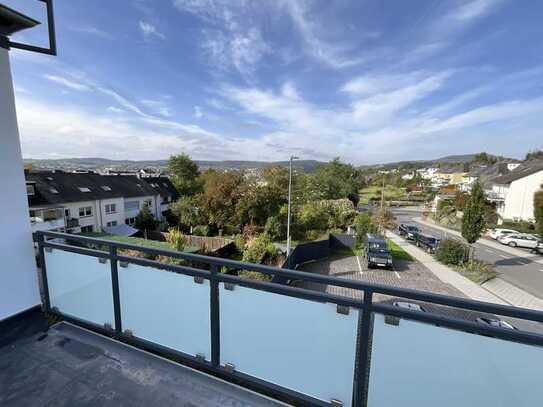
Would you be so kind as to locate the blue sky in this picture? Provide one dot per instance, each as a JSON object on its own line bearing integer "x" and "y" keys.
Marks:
{"x": 369, "y": 81}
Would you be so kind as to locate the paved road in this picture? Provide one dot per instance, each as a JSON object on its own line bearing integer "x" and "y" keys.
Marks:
{"x": 522, "y": 272}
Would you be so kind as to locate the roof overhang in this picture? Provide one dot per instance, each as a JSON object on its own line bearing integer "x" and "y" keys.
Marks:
{"x": 12, "y": 21}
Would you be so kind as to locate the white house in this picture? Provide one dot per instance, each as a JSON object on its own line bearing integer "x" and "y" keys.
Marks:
{"x": 514, "y": 192}
{"x": 89, "y": 202}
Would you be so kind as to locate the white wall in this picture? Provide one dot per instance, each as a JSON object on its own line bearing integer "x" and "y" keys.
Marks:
{"x": 519, "y": 202}
{"x": 18, "y": 276}
{"x": 118, "y": 216}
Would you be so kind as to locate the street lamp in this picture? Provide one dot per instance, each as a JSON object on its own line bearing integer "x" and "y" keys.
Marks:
{"x": 289, "y": 205}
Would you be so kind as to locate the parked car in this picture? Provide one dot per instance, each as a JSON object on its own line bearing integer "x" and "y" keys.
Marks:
{"x": 497, "y": 233}
{"x": 377, "y": 252}
{"x": 539, "y": 248}
{"x": 498, "y": 323}
{"x": 428, "y": 242}
{"x": 408, "y": 305}
{"x": 408, "y": 231}
{"x": 520, "y": 240}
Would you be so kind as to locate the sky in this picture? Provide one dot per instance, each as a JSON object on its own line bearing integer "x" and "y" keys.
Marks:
{"x": 368, "y": 81}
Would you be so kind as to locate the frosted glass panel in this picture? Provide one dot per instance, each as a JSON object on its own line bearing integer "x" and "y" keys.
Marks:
{"x": 416, "y": 364}
{"x": 298, "y": 344}
{"x": 166, "y": 308}
{"x": 80, "y": 286}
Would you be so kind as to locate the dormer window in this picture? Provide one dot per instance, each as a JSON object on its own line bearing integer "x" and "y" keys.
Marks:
{"x": 30, "y": 191}
{"x": 106, "y": 188}
{"x": 84, "y": 189}
{"x": 53, "y": 190}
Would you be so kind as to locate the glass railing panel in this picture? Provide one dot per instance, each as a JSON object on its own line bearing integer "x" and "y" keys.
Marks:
{"x": 80, "y": 286}
{"x": 167, "y": 308}
{"x": 298, "y": 344}
{"x": 424, "y": 365}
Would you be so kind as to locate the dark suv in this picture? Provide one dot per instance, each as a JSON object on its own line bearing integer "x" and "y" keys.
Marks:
{"x": 408, "y": 231}
{"x": 428, "y": 242}
{"x": 377, "y": 252}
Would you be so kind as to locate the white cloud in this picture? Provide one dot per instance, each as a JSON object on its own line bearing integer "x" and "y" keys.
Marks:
{"x": 198, "y": 112}
{"x": 114, "y": 109}
{"x": 159, "y": 107}
{"x": 69, "y": 83}
{"x": 87, "y": 29}
{"x": 474, "y": 9}
{"x": 149, "y": 30}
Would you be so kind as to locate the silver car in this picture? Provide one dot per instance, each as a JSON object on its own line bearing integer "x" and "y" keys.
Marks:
{"x": 519, "y": 240}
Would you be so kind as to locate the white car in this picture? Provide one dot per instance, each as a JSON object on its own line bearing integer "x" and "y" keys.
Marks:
{"x": 519, "y": 240}
{"x": 497, "y": 233}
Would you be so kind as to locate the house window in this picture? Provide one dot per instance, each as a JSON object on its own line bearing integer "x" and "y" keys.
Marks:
{"x": 67, "y": 212}
{"x": 53, "y": 190}
{"x": 30, "y": 189}
{"x": 148, "y": 203}
{"x": 112, "y": 223}
{"x": 87, "y": 229}
{"x": 131, "y": 205}
{"x": 85, "y": 211}
{"x": 84, "y": 189}
{"x": 111, "y": 208}
{"x": 130, "y": 221}
{"x": 106, "y": 188}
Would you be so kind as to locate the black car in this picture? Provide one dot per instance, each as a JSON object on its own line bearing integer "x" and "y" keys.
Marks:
{"x": 408, "y": 231}
{"x": 428, "y": 242}
{"x": 377, "y": 252}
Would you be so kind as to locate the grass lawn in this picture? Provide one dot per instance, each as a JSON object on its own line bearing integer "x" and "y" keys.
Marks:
{"x": 153, "y": 244}
{"x": 477, "y": 276}
{"x": 391, "y": 193}
{"x": 397, "y": 252}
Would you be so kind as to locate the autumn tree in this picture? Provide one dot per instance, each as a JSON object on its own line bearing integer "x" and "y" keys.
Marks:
{"x": 473, "y": 221}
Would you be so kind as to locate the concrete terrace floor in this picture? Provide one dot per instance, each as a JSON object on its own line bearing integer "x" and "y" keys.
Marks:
{"x": 70, "y": 366}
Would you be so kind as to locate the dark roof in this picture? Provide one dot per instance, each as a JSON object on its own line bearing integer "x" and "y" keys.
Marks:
{"x": 68, "y": 184}
{"x": 162, "y": 186}
{"x": 522, "y": 171}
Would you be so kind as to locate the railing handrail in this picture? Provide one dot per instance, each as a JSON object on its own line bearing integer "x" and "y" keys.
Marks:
{"x": 439, "y": 299}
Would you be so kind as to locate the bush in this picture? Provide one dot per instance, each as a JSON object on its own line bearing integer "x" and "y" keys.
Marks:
{"x": 273, "y": 228}
{"x": 260, "y": 250}
{"x": 176, "y": 239}
{"x": 363, "y": 225}
{"x": 200, "y": 230}
{"x": 452, "y": 252}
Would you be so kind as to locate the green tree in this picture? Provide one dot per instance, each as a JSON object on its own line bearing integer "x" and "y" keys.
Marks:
{"x": 176, "y": 239}
{"x": 145, "y": 221}
{"x": 335, "y": 180}
{"x": 538, "y": 211}
{"x": 274, "y": 228}
{"x": 187, "y": 212}
{"x": 363, "y": 224}
{"x": 534, "y": 155}
{"x": 473, "y": 221}
{"x": 184, "y": 174}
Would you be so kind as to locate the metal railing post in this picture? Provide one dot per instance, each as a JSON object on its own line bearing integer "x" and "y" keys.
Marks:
{"x": 45, "y": 285}
{"x": 115, "y": 289}
{"x": 363, "y": 353}
{"x": 215, "y": 317}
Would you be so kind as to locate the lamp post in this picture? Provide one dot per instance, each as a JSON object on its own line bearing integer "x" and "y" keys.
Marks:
{"x": 289, "y": 205}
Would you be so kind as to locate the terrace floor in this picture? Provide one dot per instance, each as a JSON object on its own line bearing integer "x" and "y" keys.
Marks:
{"x": 70, "y": 366}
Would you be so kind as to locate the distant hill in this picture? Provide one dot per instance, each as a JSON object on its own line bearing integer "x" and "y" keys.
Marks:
{"x": 96, "y": 163}
{"x": 447, "y": 161}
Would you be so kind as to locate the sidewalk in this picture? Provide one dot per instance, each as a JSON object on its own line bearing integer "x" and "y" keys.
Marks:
{"x": 487, "y": 242}
{"x": 495, "y": 291}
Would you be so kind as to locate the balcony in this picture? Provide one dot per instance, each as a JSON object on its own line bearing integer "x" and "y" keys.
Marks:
{"x": 304, "y": 347}
{"x": 72, "y": 223}
{"x": 47, "y": 219}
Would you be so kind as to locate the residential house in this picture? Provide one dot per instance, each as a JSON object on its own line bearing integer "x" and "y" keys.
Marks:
{"x": 86, "y": 202}
{"x": 513, "y": 193}
{"x": 166, "y": 191}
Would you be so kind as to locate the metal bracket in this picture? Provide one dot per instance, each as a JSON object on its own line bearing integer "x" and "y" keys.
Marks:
{"x": 48, "y": 249}
{"x": 102, "y": 260}
{"x": 392, "y": 320}
{"x": 200, "y": 357}
{"x": 230, "y": 368}
{"x": 108, "y": 326}
{"x": 342, "y": 309}
{"x": 123, "y": 264}
{"x": 199, "y": 280}
{"x": 128, "y": 333}
{"x": 229, "y": 286}
{"x": 336, "y": 403}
